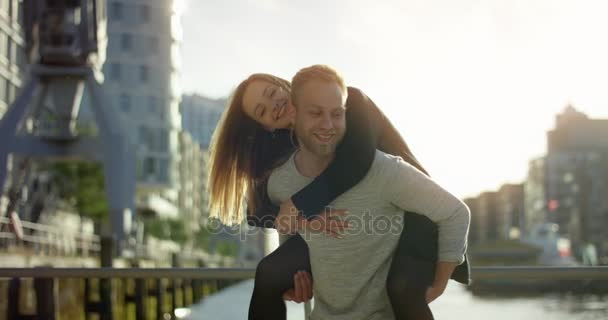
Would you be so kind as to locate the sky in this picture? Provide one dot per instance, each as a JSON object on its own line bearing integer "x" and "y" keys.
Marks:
{"x": 472, "y": 85}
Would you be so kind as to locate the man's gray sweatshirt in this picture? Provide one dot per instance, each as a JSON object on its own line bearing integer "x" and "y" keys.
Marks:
{"x": 350, "y": 273}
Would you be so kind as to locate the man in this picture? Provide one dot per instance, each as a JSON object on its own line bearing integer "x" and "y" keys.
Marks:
{"x": 350, "y": 273}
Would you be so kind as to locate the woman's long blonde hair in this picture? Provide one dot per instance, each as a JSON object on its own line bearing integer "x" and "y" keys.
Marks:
{"x": 240, "y": 155}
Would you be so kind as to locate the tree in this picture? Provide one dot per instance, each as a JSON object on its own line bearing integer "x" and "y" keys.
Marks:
{"x": 82, "y": 185}
{"x": 174, "y": 230}
{"x": 227, "y": 249}
{"x": 202, "y": 237}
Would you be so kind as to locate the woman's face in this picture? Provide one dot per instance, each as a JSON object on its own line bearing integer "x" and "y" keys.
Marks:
{"x": 268, "y": 104}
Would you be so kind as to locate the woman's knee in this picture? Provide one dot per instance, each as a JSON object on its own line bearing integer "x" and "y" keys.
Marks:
{"x": 405, "y": 293}
{"x": 265, "y": 270}
{"x": 409, "y": 282}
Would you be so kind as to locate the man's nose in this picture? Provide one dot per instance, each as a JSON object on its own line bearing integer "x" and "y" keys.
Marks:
{"x": 326, "y": 122}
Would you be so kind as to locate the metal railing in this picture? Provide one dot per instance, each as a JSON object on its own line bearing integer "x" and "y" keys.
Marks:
{"x": 154, "y": 293}
{"x": 48, "y": 239}
{"x": 478, "y": 273}
{"x": 130, "y": 273}
{"x": 540, "y": 273}
{"x": 192, "y": 285}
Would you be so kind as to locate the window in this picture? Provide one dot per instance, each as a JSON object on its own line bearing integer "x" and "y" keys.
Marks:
{"x": 143, "y": 73}
{"x": 20, "y": 13}
{"x": 149, "y": 166}
{"x": 115, "y": 71}
{"x": 12, "y": 9}
{"x": 163, "y": 170}
{"x": 125, "y": 41}
{"x": 153, "y": 45}
{"x": 163, "y": 140}
{"x": 161, "y": 113}
{"x": 5, "y": 7}
{"x": 116, "y": 11}
{"x": 9, "y": 50}
{"x": 11, "y": 91}
{"x": 152, "y": 104}
{"x": 145, "y": 13}
{"x": 139, "y": 169}
{"x": 156, "y": 139}
{"x": 21, "y": 58}
{"x": 3, "y": 45}
{"x": 143, "y": 137}
{"x": 125, "y": 102}
{"x": 3, "y": 91}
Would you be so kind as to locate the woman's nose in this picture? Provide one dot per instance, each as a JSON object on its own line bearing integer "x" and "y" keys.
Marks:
{"x": 275, "y": 110}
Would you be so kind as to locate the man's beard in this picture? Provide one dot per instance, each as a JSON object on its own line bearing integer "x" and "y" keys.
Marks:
{"x": 308, "y": 141}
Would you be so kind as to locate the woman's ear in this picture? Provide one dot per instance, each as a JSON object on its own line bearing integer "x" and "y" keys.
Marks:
{"x": 291, "y": 113}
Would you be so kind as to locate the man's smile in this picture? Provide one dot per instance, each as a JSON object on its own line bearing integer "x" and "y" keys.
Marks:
{"x": 325, "y": 138}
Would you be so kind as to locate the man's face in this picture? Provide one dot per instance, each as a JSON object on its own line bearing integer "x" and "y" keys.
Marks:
{"x": 320, "y": 121}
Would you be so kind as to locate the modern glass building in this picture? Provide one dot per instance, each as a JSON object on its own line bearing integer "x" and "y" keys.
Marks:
{"x": 200, "y": 116}
{"x": 12, "y": 52}
{"x": 141, "y": 81}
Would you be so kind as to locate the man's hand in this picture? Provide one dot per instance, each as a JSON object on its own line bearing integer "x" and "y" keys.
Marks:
{"x": 302, "y": 291}
{"x": 289, "y": 221}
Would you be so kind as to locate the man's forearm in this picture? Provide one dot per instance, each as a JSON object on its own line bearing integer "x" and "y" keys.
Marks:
{"x": 443, "y": 272}
{"x": 442, "y": 275}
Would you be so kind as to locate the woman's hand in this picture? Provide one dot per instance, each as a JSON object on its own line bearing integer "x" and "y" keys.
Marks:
{"x": 330, "y": 222}
{"x": 302, "y": 291}
{"x": 286, "y": 221}
{"x": 289, "y": 221}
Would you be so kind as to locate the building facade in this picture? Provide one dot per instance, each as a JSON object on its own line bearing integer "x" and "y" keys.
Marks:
{"x": 200, "y": 116}
{"x": 497, "y": 215}
{"x": 141, "y": 81}
{"x": 575, "y": 132}
{"x": 510, "y": 211}
{"x": 475, "y": 229}
{"x": 577, "y": 185}
{"x": 535, "y": 198}
{"x": 576, "y": 179}
{"x": 193, "y": 197}
{"x": 12, "y": 52}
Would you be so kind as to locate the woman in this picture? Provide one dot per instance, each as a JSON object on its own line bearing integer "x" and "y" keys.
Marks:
{"x": 253, "y": 136}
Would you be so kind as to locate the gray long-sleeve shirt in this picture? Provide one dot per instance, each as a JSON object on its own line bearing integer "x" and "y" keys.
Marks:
{"x": 350, "y": 274}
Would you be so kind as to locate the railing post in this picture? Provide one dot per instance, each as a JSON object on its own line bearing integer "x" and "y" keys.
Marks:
{"x": 186, "y": 283}
{"x": 197, "y": 292}
{"x": 45, "y": 298}
{"x": 141, "y": 292}
{"x": 214, "y": 286}
{"x": 160, "y": 299}
{"x": 197, "y": 285}
{"x": 88, "y": 305}
{"x": 176, "y": 263}
{"x": 12, "y": 310}
{"x": 105, "y": 285}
